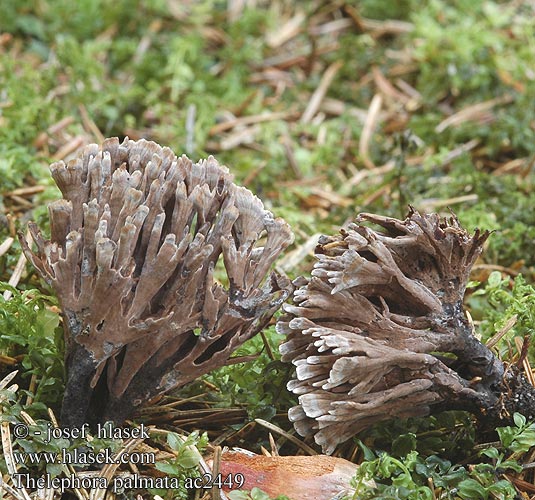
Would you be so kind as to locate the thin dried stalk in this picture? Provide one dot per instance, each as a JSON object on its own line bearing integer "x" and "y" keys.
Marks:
{"x": 367, "y": 131}
{"x": 318, "y": 95}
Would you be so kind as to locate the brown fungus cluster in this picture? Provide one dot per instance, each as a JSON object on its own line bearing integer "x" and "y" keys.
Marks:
{"x": 379, "y": 331}
{"x": 162, "y": 269}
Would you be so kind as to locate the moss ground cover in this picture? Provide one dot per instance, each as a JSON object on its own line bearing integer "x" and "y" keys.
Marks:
{"x": 323, "y": 109}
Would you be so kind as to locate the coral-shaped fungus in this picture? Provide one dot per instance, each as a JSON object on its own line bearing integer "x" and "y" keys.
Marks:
{"x": 379, "y": 331}
{"x": 162, "y": 269}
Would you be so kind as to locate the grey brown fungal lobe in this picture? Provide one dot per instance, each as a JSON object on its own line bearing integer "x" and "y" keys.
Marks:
{"x": 379, "y": 331}
{"x": 162, "y": 268}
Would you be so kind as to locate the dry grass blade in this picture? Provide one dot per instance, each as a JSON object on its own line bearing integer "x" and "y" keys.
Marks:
{"x": 521, "y": 484}
{"x": 375, "y": 195}
{"x": 108, "y": 471}
{"x": 289, "y": 437}
{"x": 472, "y": 113}
{"x": 89, "y": 124}
{"x": 331, "y": 27}
{"x": 264, "y": 452}
{"x": 508, "y": 325}
{"x": 433, "y": 205}
{"x": 8, "y": 456}
{"x": 6, "y": 245}
{"x": 455, "y": 153}
{"x": 68, "y": 148}
{"x": 509, "y": 167}
{"x": 522, "y": 347}
{"x": 12, "y": 491}
{"x": 369, "y": 127}
{"x": 241, "y": 136}
{"x": 319, "y": 93}
{"x": 377, "y": 172}
{"x": 53, "y": 418}
{"x": 7, "y": 360}
{"x": 286, "y": 32}
{"x": 330, "y": 197}
{"x": 7, "y": 379}
{"x": 21, "y": 202}
{"x": 234, "y": 9}
{"x": 26, "y": 191}
{"x": 178, "y": 402}
{"x": 285, "y": 61}
{"x": 408, "y": 90}
{"x": 387, "y": 89}
{"x": 60, "y": 125}
{"x": 249, "y": 120}
{"x": 296, "y": 256}
{"x": 17, "y": 273}
{"x": 336, "y": 107}
{"x": 207, "y": 418}
{"x": 27, "y": 418}
{"x": 273, "y": 445}
{"x": 54, "y": 129}
{"x": 378, "y": 28}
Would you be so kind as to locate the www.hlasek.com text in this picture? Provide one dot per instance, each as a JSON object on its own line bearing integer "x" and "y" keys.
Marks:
{"x": 78, "y": 456}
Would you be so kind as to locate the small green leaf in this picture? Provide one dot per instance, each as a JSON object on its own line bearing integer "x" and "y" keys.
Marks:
{"x": 54, "y": 469}
{"x": 511, "y": 464}
{"x": 470, "y": 489}
{"x": 238, "y": 495}
{"x": 490, "y": 452}
{"x": 507, "y": 435}
{"x": 174, "y": 441}
{"x": 189, "y": 458}
{"x": 404, "y": 444}
{"x": 167, "y": 468}
{"x": 519, "y": 419}
{"x": 368, "y": 454}
{"x": 495, "y": 279}
{"x": 258, "y": 494}
{"x": 504, "y": 488}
